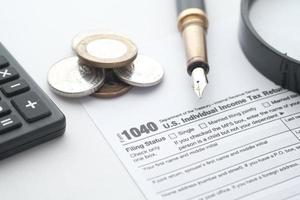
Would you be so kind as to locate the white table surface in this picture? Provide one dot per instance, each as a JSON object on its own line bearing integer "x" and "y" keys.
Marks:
{"x": 81, "y": 165}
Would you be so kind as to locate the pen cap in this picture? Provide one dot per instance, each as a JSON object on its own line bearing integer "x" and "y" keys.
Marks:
{"x": 186, "y": 4}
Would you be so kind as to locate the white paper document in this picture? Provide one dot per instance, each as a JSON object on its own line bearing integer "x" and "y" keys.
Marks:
{"x": 241, "y": 141}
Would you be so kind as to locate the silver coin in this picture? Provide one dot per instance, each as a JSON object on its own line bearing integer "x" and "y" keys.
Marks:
{"x": 106, "y": 50}
{"x": 143, "y": 72}
{"x": 70, "y": 79}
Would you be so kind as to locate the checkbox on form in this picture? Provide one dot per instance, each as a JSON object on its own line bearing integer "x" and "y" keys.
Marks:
{"x": 172, "y": 136}
{"x": 266, "y": 104}
{"x": 203, "y": 125}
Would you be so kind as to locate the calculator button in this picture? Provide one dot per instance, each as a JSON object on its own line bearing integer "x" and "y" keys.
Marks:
{"x": 4, "y": 109}
{"x": 31, "y": 107}
{"x": 14, "y": 87}
{"x": 3, "y": 62}
{"x": 9, "y": 123}
{"x": 8, "y": 74}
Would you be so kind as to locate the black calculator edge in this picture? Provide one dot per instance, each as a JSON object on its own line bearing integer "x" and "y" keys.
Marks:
{"x": 54, "y": 128}
{"x": 31, "y": 144}
{"x": 57, "y": 128}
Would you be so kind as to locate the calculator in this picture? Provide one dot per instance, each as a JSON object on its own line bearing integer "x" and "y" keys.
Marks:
{"x": 27, "y": 115}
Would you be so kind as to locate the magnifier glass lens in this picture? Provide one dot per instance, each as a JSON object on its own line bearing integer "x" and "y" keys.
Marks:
{"x": 277, "y": 22}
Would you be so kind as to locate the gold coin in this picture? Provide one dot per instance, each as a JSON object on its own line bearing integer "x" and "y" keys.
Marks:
{"x": 113, "y": 86}
{"x": 106, "y": 50}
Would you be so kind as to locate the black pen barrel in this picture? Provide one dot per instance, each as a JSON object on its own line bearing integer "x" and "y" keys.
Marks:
{"x": 186, "y": 4}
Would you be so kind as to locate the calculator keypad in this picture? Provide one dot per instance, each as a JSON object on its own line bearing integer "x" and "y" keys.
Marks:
{"x": 4, "y": 109}
{"x": 9, "y": 123}
{"x": 27, "y": 116}
{"x": 15, "y": 87}
{"x": 30, "y": 106}
{"x": 8, "y": 74}
{"x": 3, "y": 62}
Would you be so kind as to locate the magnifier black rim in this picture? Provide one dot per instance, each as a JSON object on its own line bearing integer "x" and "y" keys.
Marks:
{"x": 245, "y": 10}
{"x": 280, "y": 68}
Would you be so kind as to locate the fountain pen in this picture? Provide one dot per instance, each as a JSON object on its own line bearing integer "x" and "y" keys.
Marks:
{"x": 193, "y": 24}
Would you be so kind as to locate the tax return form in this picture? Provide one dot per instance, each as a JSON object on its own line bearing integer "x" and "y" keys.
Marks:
{"x": 241, "y": 141}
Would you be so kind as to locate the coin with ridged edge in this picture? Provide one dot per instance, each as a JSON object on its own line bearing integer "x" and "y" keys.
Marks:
{"x": 113, "y": 86}
{"x": 80, "y": 36}
{"x": 70, "y": 79}
{"x": 143, "y": 72}
{"x": 106, "y": 50}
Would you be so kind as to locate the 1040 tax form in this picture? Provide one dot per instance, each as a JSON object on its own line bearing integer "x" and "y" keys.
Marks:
{"x": 241, "y": 141}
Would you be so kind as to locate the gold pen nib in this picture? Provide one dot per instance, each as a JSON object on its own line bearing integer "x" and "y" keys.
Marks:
{"x": 199, "y": 81}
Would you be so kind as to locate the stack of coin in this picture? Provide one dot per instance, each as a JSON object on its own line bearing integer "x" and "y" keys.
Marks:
{"x": 107, "y": 65}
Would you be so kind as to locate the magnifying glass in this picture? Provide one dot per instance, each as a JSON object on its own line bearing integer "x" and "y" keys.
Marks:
{"x": 269, "y": 35}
